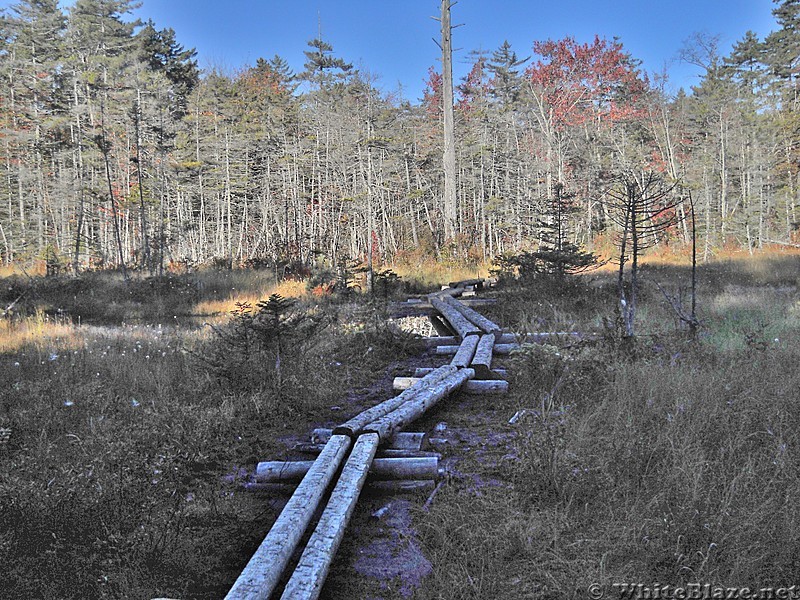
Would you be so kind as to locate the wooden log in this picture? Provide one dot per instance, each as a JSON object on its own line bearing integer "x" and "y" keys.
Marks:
{"x": 308, "y": 448}
{"x": 403, "y": 440}
{"x": 416, "y": 467}
{"x": 397, "y": 486}
{"x": 441, "y": 340}
{"x": 406, "y": 309}
{"x": 486, "y": 325}
{"x": 389, "y": 424}
{"x": 462, "y": 326}
{"x": 475, "y": 386}
{"x": 315, "y": 562}
{"x": 498, "y": 349}
{"x": 497, "y": 373}
{"x": 440, "y": 326}
{"x": 466, "y": 350}
{"x": 477, "y": 283}
{"x": 505, "y": 338}
{"x": 263, "y": 571}
{"x": 355, "y": 425}
{"x": 482, "y": 361}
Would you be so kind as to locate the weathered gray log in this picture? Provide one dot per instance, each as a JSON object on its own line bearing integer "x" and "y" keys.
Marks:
{"x": 482, "y": 361}
{"x": 354, "y": 426}
{"x": 440, "y": 340}
{"x": 417, "y": 467}
{"x": 396, "y": 420}
{"x": 392, "y": 488}
{"x": 475, "y": 386}
{"x": 397, "y": 486}
{"x": 406, "y": 309}
{"x": 440, "y": 326}
{"x": 263, "y": 571}
{"x": 497, "y": 373}
{"x": 462, "y": 326}
{"x": 505, "y": 338}
{"x": 477, "y": 283}
{"x": 315, "y": 562}
{"x": 486, "y": 325}
{"x": 466, "y": 350}
{"x": 314, "y": 449}
{"x": 404, "y": 440}
{"x": 498, "y": 349}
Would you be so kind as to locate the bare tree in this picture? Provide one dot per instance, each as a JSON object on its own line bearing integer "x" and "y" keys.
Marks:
{"x": 643, "y": 206}
{"x": 449, "y": 158}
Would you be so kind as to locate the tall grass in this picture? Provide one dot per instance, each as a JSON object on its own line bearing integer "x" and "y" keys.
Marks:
{"x": 674, "y": 463}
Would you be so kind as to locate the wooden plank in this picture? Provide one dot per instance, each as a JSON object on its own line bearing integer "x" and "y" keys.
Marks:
{"x": 262, "y": 573}
{"x": 416, "y": 467}
{"x": 315, "y": 562}
{"x": 402, "y": 440}
{"x": 396, "y": 420}
{"x": 422, "y": 371}
{"x": 458, "y": 322}
{"x": 486, "y": 325}
{"x": 497, "y": 349}
{"x": 475, "y": 386}
{"x": 355, "y": 425}
{"x": 466, "y": 350}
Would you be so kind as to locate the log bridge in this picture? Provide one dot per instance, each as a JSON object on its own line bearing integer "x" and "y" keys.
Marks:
{"x": 350, "y": 450}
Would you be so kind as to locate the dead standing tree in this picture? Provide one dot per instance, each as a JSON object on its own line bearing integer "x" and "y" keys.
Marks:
{"x": 644, "y": 208}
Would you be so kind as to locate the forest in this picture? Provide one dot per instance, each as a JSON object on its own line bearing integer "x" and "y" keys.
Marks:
{"x": 118, "y": 151}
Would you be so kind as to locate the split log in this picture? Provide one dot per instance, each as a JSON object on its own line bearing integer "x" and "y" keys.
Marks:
{"x": 402, "y": 440}
{"x": 462, "y": 326}
{"x": 389, "y": 424}
{"x": 498, "y": 349}
{"x": 482, "y": 361}
{"x": 497, "y": 373}
{"x": 440, "y": 326}
{"x": 315, "y": 562}
{"x": 473, "y": 316}
{"x": 354, "y": 426}
{"x": 417, "y": 467}
{"x": 475, "y": 386}
{"x": 264, "y": 570}
{"x": 466, "y": 350}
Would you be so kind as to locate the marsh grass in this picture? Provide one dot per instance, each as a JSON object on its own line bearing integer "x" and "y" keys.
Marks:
{"x": 121, "y": 434}
{"x": 674, "y": 461}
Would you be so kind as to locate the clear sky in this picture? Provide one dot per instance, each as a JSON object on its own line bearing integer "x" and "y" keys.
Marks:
{"x": 393, "y": 38}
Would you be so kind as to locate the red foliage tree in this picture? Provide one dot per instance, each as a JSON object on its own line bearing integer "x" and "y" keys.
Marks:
{"x": 432, "y": 94}
{"x": 585, "y": 82}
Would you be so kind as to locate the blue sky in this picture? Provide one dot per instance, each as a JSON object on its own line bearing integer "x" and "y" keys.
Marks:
{"x": 393, "y": 38}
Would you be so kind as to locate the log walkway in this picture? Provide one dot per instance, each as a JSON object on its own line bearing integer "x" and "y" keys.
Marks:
{"x": 350, "y": 450}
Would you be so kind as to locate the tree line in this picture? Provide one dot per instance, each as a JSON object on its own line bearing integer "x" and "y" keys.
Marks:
{"x": 116, "y": 151}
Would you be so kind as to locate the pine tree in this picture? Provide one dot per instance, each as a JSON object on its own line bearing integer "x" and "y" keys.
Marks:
{"x": 504, "y": 65}
{"x": 557, "y": 255}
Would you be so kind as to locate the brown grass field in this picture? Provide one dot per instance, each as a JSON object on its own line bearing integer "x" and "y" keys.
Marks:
{"x": 672, "y": 460}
